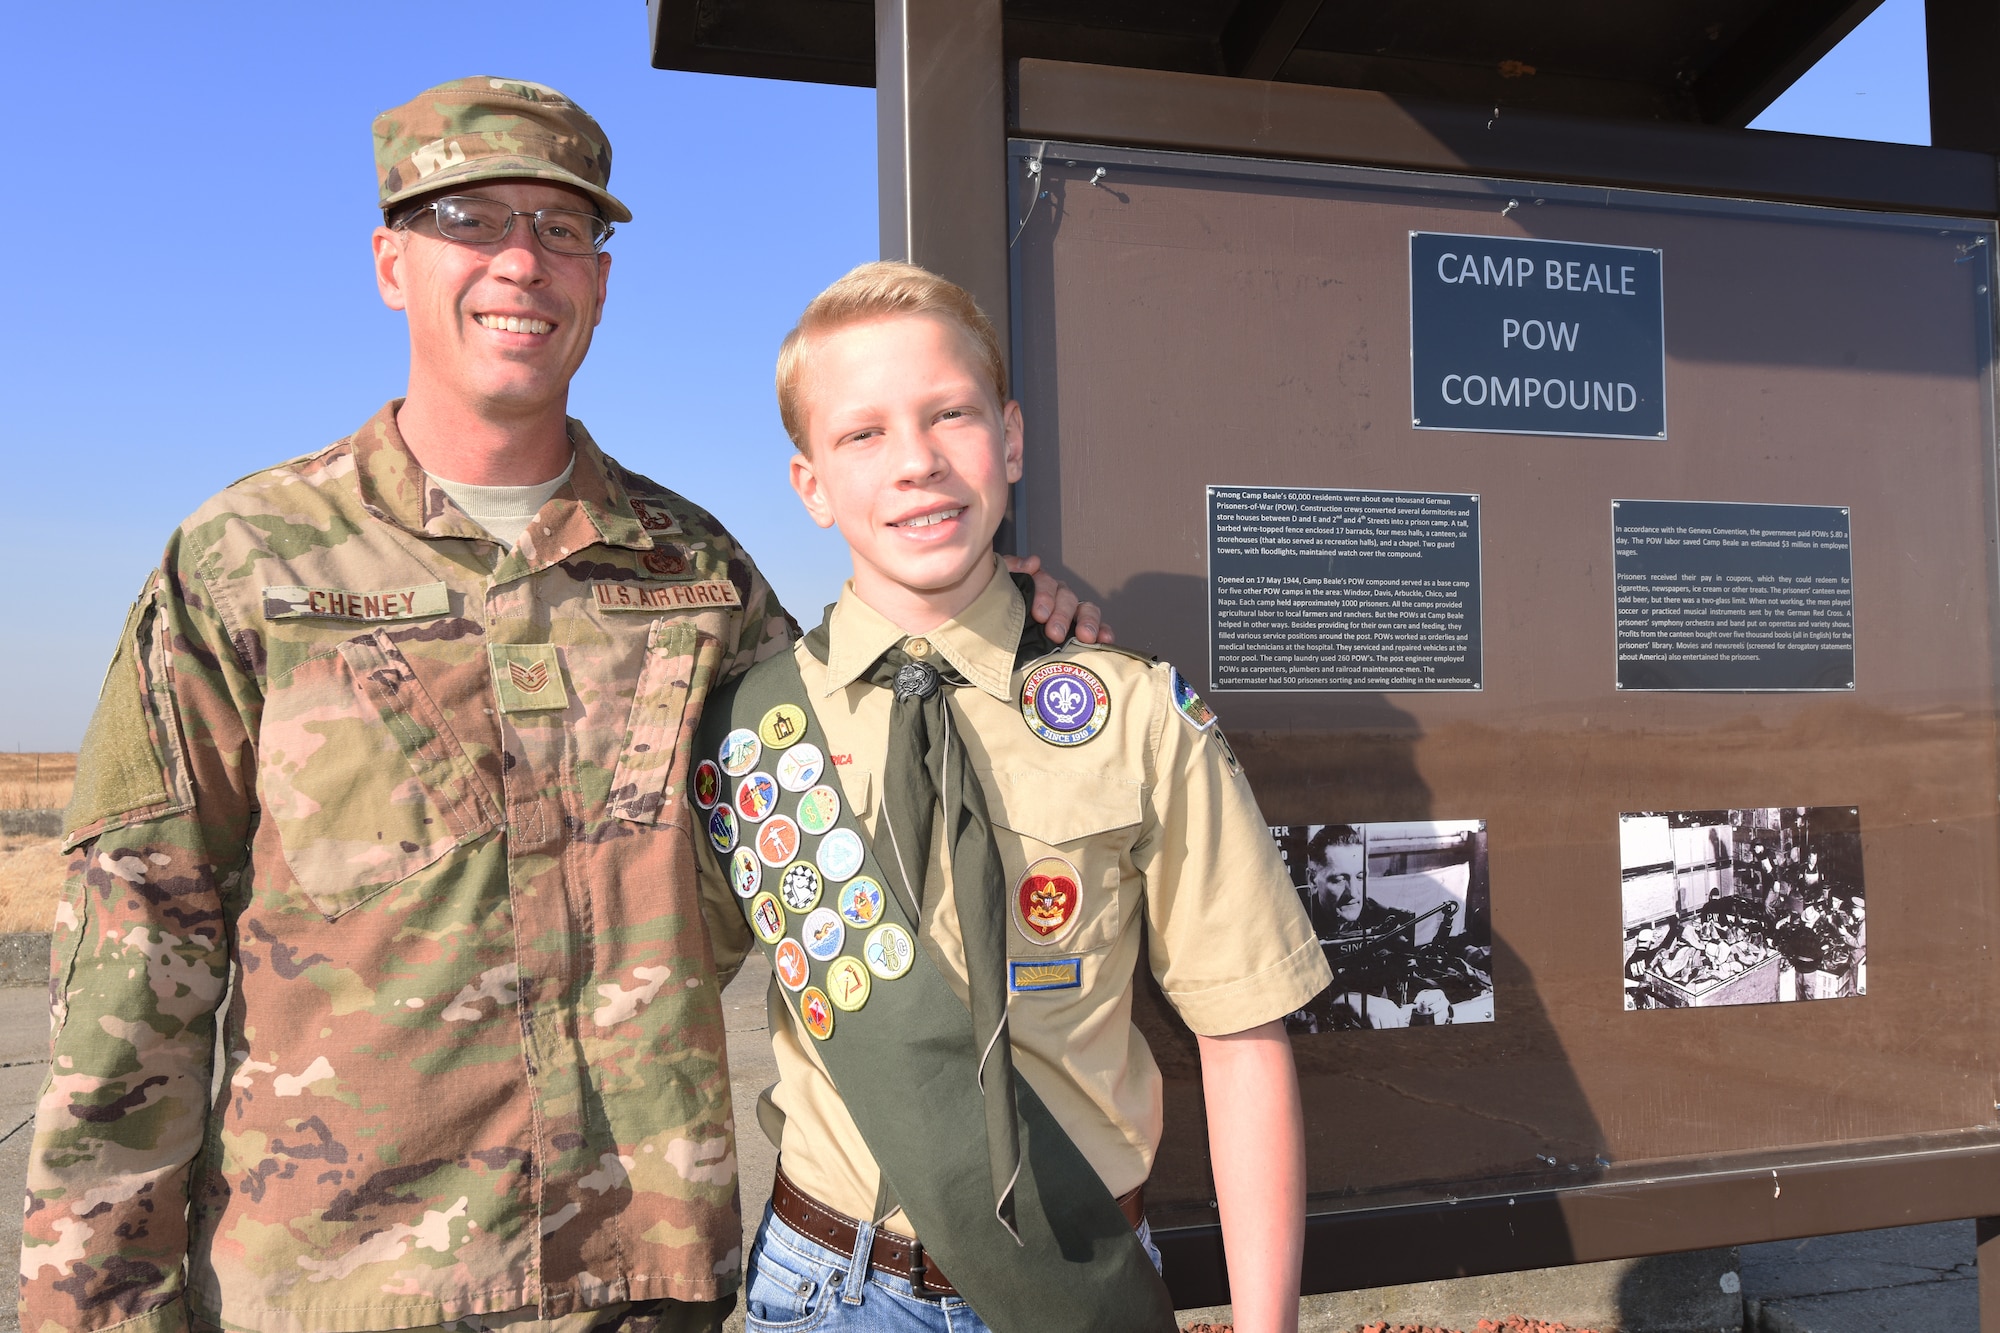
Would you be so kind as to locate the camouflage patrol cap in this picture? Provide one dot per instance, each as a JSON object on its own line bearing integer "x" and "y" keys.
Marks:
{"x": 483, "y": 128}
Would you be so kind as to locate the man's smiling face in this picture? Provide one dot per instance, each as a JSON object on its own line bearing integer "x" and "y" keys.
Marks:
{"x": 504, "y": 325}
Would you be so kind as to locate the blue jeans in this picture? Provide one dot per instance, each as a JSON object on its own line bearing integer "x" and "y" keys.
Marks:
{"x": 793, "y": 1284}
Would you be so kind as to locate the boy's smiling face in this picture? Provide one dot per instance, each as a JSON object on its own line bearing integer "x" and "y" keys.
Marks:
{"x": 909, "y": 453}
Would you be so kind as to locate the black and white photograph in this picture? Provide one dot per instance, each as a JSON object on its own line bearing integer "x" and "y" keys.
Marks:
{"x": 1403, "y": 912}
{"x": 1757, "y": 906}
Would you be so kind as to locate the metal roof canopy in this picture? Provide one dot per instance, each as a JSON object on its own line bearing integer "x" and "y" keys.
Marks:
{"x": 1709, "y": 62}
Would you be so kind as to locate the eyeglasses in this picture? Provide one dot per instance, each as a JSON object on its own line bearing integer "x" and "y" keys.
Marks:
{"x": 470, "y": 220}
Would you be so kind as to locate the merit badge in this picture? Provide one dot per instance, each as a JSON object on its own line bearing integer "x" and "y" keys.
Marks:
{"x": 745, "y": 875}
{"x": 722, "y": 829}
{"x": 782, "y": 725}
{"x": 1046, "y": 899}
{"x": 889, "y": 951}
{"x": 767, "y": 918}
{"x": 1044, "y": 974}
{"x": 800, "y": 767}
{"x": 740, "y": 752}
{"x": 1188, "y": 704}
{"x": 840, "y": 854}
{"x": 817, "y": 1011}
{"x": 756, "y": 797}
{"x": 790, "y": 964}
{"x": 707, "y": 784}
{"x": 800, "y": 886}
{"x": 861, "y": 902}
{"x": 1064, "y": 704}
{"x": 778, "y": 841}
{"x": 818, "y": 809}
{"x": 823, "y": 934}
{"x": 847, "y": 983}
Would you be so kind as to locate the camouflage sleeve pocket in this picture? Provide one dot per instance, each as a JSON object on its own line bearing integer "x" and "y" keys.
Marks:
{"x": 133, "y": 765}
{"x": 680, "y": 667}
{"x": 365, "y": 779}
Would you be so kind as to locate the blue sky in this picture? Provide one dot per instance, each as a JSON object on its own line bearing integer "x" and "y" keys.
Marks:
{"x": 211, "y": 310}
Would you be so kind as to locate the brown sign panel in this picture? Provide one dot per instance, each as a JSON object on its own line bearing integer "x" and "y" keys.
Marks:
{"x": 1183, "y": 322}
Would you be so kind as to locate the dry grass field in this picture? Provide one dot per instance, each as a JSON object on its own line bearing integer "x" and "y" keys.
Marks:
{"x": 31, "y": 869}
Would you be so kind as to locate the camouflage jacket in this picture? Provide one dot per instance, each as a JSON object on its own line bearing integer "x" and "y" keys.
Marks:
{"x": 404, "y": 811}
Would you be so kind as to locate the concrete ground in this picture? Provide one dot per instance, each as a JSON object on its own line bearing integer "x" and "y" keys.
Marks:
{"x": 1906, "y": 1280}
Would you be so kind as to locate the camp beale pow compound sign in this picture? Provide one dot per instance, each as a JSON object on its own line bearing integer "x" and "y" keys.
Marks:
{"x": 1536, "y": 337}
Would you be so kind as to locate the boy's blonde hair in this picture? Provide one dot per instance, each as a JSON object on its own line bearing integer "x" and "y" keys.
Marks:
{"x": 877, "y": 291}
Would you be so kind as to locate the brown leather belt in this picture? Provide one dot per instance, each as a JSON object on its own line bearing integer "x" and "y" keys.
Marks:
{"x": 890, "y": 1253}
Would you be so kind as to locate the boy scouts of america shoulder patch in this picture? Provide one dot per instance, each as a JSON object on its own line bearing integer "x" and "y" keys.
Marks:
{"x": 1188, "y": 704}
{"x": 1064, "y": 704}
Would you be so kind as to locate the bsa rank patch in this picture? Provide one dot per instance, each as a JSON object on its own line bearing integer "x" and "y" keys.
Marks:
{"x": 527, "y": 676}
{"x": 424, "y": 600}
{"x": 1047, "y": 899}
{"x": 653, "y": 598}
{"x": 1031, "y": 974}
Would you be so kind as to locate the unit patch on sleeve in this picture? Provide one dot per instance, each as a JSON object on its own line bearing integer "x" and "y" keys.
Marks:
{"x": 1032, "y": 974}
{"x": 424, "y": 600}
{"x": 656, "y": 597}
{"x": 1189, "y": 705}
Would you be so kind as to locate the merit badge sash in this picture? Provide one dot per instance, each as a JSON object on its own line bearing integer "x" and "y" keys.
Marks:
{"x": 896, "y": 1038}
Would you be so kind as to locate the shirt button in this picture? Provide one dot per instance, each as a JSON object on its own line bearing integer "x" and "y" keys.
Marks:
{"x": 918, "y": 647}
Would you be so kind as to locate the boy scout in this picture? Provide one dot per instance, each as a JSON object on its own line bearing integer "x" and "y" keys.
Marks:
{"x": 950, "y": 835}
{"x": 392, "y": 759}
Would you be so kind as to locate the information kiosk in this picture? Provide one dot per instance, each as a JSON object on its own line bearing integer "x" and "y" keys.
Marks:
{"x": 1580, "y": 513}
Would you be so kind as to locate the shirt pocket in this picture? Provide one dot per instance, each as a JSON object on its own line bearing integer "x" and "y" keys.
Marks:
{"x": 1052, "y": 826}
{"x": 364, "y": 779}
{"x": 659, "y": 736}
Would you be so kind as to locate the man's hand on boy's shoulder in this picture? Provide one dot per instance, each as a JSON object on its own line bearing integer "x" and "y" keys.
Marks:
{"x": 1056, "y": 606}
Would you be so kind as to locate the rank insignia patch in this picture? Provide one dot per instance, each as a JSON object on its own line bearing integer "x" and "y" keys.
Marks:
{"x": 847, "y": 983}
{"x": 1047, "y": 899}
{"x": 756, "y": 797}
{"x": 1064, "y": 704}
{"x": 707, "y": 784}
{"x": 1189, "y": 705}
{"x": 822, "y": 933}
{"x": 1032, "y": 974}
{"x": 817, "y": 1012}
{"x": 746, "y": 873}
{"x": 889, "y": 951}
{"x": 782, "y": 726}
{"x": 527, "y": 677}
{"x": 791, "y": 966}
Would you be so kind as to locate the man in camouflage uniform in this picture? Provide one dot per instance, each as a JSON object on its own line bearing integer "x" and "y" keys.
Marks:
{"x": 405, "y": 805}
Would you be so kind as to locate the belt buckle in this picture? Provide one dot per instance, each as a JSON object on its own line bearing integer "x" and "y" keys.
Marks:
{"x": 917, "y": 1267}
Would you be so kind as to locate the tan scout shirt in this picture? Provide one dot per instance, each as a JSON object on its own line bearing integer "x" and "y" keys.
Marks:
{"x": 1150, "y": 821}
{"x": 401, "y": 810}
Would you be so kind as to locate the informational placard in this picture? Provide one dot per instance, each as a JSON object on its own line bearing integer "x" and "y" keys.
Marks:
{"x": 1315, "y": 589}
{"x": 1531, "y": 337}
{"x": 1726, "y": 596}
